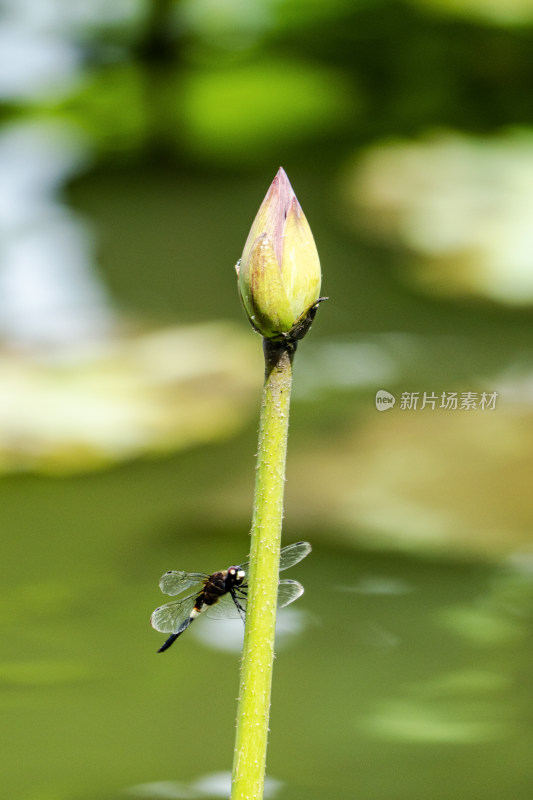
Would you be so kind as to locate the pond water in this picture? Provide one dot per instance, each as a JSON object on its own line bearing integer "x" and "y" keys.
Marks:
{"x": 138, "y": 142}
{"x": 403, "y": 671}
{"x": 396, "y": 676}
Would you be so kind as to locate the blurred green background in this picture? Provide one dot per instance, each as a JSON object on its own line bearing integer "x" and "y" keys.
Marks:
{"x": 137, "y": 141}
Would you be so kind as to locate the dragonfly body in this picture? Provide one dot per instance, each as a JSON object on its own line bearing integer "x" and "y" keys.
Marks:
{"x": 215, "y": 586}
{"x": 222, "y": 594}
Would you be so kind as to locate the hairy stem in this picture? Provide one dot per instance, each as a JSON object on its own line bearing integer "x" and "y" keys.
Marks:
{"x": 258, "y": 653}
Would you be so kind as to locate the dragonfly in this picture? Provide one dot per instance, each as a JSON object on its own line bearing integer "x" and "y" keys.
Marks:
{"x": 222, "y": 595}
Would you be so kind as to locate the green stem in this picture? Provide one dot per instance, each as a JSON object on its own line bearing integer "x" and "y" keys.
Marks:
{"x": 258, "y": 653}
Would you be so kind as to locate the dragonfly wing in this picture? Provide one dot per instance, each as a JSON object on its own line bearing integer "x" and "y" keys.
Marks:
{"x": 173, "y": 582}
{"x": 170, "y": 617}
{"x": 171, "y": 639}
{"x": 292, "y": 554}
{"x": 289, "y": 556}
{"x": 288, "y": 592}
{"x": 226, "y": 608}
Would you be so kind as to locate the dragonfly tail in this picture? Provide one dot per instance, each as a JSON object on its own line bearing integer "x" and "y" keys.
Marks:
{"x": 172, "y": 639}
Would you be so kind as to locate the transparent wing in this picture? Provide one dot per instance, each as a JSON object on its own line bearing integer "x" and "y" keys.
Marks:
{"x": 292, "y": 554}
{"x": 175, "y": 582}
{"x": 170, "y": 617}
{"x": 289, "y": 556}
{"x": 226, "y": 608}
{"x": 288, "y": 592}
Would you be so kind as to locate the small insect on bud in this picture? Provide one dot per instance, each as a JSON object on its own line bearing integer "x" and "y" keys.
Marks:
{"x": 279, "y": 272}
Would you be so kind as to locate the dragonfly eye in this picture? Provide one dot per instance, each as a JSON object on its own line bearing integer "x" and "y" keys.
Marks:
{"x": 236, "y": 575}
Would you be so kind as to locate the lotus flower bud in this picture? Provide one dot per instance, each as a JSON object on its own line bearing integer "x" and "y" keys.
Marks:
{"x": 279, "y": 272}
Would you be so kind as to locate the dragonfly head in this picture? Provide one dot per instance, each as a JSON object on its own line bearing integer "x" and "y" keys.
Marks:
{"x": 236, "y": 575}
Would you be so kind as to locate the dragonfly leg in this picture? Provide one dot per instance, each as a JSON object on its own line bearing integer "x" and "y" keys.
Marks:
{"x": 236, "y": 601}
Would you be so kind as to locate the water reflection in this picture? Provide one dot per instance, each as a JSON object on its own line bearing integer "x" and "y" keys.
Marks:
{"x": 428, "y": 723}
{"x": 467, "y": 685}
{"x": 211, "y": 785}
{"x": 35, "y": 61}
{"x": 426, "y": 480}
{"x": 376, "y": 585}
{"x": 517, "y": 12}
{"x": 50, "y": 294}
{"x": 227, "y": 635}
{"x": 79, "y": 388}
{"x": 43, "y": 673}
{"x": 349, "y": 365}
{"x": 478, "y": 702}
{"x": 152, "y": 393}
{"x": 502, "y": 614}
{"x": 460, "y": 204}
